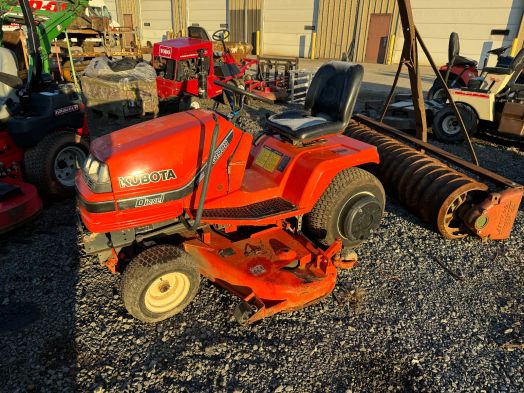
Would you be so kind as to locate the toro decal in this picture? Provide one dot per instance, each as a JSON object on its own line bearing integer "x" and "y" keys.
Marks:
{"x": 146, "y": 178}
{"x": 165, "y": 51}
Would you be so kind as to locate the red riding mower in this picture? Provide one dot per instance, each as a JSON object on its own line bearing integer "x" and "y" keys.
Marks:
{"x": 460, "y": 70}
{"x": 190, "y": 194}
{"x": 43, "y": 130}
{"x": 188, "y": 67}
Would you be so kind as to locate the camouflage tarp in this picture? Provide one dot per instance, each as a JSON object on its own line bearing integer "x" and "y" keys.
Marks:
{"x": 122, "y": 93}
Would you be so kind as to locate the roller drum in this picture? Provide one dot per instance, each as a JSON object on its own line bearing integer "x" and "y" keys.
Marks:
{"x": 426, "y": 186}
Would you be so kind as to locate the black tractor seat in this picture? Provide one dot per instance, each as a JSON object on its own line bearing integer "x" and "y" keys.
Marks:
{"x": 330, "y": 101}
{"x": 460, "y": 60}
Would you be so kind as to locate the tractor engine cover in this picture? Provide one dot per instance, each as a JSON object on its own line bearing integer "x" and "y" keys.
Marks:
{"x": 155, "y": 168}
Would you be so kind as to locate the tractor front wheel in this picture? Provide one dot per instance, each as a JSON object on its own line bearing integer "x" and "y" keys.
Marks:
{"x": 52, "y": 164}
{"x": 350, "y": 208}
{"x": 159, "y": 283}
{"x": 446, "y": 126}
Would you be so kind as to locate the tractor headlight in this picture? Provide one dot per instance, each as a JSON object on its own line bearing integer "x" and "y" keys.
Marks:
{"x": 96, "y": 175}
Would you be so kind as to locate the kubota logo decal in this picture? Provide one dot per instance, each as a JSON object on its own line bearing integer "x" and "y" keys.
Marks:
{"x": 146, "y": 178}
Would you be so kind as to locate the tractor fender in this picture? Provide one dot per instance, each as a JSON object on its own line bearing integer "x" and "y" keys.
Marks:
{"x": 313, "y": 171}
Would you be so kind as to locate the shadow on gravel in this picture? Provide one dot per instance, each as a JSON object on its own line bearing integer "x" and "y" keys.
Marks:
{"x": 38, "y": 269}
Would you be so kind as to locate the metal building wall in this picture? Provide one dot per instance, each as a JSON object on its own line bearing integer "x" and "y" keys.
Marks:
{"x": 129, "y": 7}
{"x": 473, "y": 20}
{"x": 287, "y": 27}
{"x": 212, "y": 15}
{"x": 180, "y": 17}
{"x": 178, "y": 7}
{"x": 341, "y": 21}
{"x": 239, "y": 11}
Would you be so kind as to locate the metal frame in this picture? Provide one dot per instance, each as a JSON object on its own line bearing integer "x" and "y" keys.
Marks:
{"x": 410, "y": 59}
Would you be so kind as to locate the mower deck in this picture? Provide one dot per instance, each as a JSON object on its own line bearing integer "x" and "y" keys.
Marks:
{"x": 271, "y": 271}
{"x": 19, "y": 203}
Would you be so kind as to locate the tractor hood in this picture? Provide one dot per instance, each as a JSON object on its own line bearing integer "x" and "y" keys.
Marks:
{"x": 168, "y": 153}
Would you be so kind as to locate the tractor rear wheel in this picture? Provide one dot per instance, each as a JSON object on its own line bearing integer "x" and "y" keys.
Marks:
{"x": 350, "y": 208}
{"x": 52, "y": 164}
{"x": 446, "y": 126}
{"x": 159, "y": 283}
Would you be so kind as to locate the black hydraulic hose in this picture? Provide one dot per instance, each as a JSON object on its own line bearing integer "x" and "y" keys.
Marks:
{"x": 34, "y": 46}
{"x": 209, "y": 167}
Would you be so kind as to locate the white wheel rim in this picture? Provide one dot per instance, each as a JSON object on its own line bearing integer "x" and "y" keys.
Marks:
{"x": 450, "y": 125}
{"x": 166, "y": 292}
{"x": 67, "y": 162}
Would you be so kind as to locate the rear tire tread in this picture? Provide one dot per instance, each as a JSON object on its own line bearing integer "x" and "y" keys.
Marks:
{"x": 39, "y": 163}
{"x": 319, "y": 218}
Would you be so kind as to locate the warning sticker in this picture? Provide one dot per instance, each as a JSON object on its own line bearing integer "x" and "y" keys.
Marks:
{"x": 268, "y": 159}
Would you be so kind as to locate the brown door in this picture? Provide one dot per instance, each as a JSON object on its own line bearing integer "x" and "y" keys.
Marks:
{"x": 128, "y": 30}
{"x": 378, "y": 33}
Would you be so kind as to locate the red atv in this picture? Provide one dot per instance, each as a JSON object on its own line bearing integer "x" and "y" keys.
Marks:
{"x": 188, "y": 66}
{"x": 192, "y": 194}
{"x": 460, "y": 70}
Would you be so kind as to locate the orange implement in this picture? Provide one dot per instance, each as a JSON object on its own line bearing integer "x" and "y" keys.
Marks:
{"x": 271, "y": 271}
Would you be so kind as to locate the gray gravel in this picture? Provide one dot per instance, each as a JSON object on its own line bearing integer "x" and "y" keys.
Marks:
{"x": 397, "y": 322}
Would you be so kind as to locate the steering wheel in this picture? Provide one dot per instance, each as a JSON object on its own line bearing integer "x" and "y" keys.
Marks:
{"x": 220, "y": 35}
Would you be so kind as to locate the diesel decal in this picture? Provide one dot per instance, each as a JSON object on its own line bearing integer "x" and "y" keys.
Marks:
{"x": 66, "y": 109}
{"x": 149, "y": 200}
{"x": 223, "y": 146}
{"x": 146, "y": 178}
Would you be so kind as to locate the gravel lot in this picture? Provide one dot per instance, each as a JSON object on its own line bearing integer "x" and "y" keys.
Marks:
{"x": 397, "y": 322}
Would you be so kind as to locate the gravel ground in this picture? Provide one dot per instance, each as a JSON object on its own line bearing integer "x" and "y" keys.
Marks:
{"x": 397, "y": 322}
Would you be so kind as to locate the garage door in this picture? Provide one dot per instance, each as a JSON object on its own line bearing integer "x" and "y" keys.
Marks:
{"x": 156, "y": 20}
{"x": 209, "y": 14}
{"x": 287, "y": 27}
{"x": 478, "y": 31}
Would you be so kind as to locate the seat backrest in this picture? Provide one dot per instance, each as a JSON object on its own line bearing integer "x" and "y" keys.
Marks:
{"x": 453, "y": 47}
{"x": 198, "y": 32}
{"x": 334, "y": 90}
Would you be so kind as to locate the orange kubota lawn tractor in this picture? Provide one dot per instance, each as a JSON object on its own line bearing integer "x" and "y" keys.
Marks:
{"x": 269, "y": 219}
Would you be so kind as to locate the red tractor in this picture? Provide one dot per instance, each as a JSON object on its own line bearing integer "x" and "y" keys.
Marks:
{"x": 459, "y": 70}
{"x": 191, "y": 194}
{"x": 188, "y": 67}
